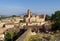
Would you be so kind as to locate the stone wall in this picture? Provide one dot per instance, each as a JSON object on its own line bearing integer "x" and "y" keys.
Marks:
{"x": 25, "y": 35}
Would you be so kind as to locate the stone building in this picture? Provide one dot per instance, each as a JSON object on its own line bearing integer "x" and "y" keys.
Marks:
{"x": 33, "y": 18}
{"x": 9, "y": 25}
{"x": 1, "y": 24}
{"x": 1, "y": 37}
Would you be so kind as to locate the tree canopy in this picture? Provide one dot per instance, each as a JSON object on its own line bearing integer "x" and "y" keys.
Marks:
{"x": 56, "y": 19}
{"x": 47, "y": 17}
{"x": 13, "y": 15}
{"x": 7, "y": 36}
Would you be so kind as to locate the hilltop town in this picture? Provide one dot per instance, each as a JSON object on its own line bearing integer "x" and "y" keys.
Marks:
{"x": 27, "y": 21}
{"x": 25, "y": 26}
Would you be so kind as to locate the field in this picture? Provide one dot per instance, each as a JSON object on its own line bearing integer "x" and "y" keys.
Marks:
{"x": 45, "y": 37}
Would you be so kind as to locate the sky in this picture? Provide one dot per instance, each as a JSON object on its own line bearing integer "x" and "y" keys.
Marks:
{"x": 17, "y": 7}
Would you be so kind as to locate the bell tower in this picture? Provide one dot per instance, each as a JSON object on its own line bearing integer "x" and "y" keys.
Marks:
{"x": 29, "y": 13}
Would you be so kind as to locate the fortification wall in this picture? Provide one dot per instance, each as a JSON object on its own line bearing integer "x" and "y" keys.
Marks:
{"x": 24, "y": 36}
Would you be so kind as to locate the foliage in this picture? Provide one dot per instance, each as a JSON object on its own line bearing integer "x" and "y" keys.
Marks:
{"x": 2, "y": 17}
{"x": 13, "y": 15}
{"x": 56, "y": 16}
{"x": 47, "y": 17}
{"x": 37, "y": 39}
{"x": 7, "y": 37}
{"x": 14, "y": 35}
{"x": 22, "y": 21}
{"x": 56, "y": 19}
{"x": 56, "y": 26}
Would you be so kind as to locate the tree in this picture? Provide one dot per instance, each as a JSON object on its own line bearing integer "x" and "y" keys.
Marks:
{"x": 22, "y": 21}
{"x": 2, "y": 17}
{"x": 56, "y": 19}
{"x": 13, "y": 15}
{"x": 7, "y": 36}
{"x": 14, "y": 36}
{"x": 47, "y": 17}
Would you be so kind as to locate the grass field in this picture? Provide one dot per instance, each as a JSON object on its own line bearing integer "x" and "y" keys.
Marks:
{"x": 45, "y": 37}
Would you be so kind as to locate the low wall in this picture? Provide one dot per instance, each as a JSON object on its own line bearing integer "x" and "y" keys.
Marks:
{"x": 25, "y": 35}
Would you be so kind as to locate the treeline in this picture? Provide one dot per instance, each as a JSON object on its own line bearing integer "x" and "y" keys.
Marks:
{"x": 55, "y": 18}
{"x": 3, "y": 17}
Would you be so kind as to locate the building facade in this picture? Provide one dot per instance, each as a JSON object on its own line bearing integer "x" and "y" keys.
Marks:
{"x": 34, "y": 18}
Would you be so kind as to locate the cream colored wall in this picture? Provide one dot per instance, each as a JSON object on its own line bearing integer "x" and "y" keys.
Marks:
{"x": 36, "y": 19}
{"x": 31, "y": 24}
{"x": 1, "y": 24}
{"x": 32, "y": 19}
{"x": 22, "y": 24}
{"x": 41, "y": 19}
{"x": 2, "y": 37}
{"x": 9, "y": 26}
{"x": 27, "y": 19}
